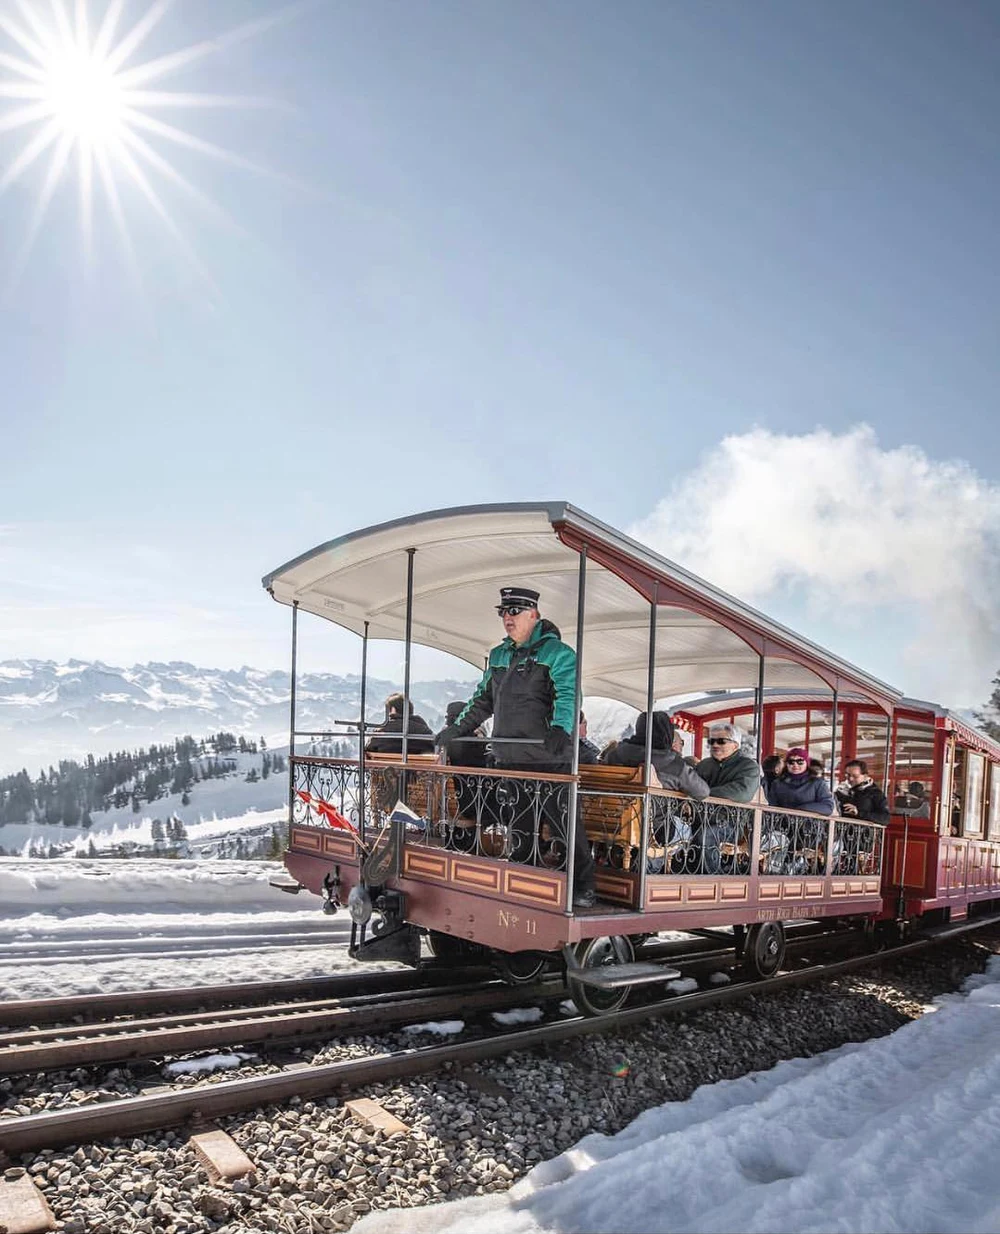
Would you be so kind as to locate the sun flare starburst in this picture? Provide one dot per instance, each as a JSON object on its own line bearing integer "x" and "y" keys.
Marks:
{"x": 73, "y": 91}
{"x": 84, "y": 96}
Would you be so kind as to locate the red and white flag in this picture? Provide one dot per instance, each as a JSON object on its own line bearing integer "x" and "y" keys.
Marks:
{"x": 329, "y": 812}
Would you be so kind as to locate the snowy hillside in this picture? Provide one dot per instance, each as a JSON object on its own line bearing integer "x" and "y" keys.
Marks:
{"x": 229, "y": 815}
{"x": 50, "y": 711}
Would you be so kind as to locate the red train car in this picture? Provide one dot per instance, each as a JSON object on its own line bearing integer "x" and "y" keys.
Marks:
{"x": 416, "y": 849}
{"x": 941, "y": 778}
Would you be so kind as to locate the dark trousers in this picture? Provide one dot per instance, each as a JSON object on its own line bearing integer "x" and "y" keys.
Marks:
{"x": 536, "y": 814}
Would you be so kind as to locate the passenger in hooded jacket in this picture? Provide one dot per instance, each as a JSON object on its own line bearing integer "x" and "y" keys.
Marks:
{"x": 798, "y": 789}
{"x": 671, "y": 769}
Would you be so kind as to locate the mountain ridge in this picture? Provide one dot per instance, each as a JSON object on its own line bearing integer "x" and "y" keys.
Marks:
{"x": 51, "y": 710}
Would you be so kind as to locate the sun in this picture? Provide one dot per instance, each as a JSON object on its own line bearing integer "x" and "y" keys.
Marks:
{"x": 72, "y": 90}
{"x": 85, "y": 98}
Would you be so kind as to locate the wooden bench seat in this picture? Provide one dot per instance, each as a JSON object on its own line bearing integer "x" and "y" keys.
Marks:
{"x": 609, "y": 817}
{"x": 423, "y": 792}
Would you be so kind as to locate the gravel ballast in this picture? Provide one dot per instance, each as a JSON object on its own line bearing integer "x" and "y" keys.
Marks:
{"x": 476, "y": 1132}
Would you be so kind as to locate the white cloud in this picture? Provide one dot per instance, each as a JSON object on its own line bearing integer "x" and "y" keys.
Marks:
{"x": 865, "y": 534}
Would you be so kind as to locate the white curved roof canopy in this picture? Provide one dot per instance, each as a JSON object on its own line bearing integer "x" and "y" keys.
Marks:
{"x": 463, "y": 556}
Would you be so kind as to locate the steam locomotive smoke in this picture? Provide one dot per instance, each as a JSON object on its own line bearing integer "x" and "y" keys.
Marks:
{"x": 897, "y": 550}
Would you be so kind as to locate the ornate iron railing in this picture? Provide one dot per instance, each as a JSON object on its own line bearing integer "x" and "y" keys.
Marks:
{"x": 324, "y": 782}
{"x": 857, "y": 847}
{"x": 515, "y": 816}
{"x": 700, "y": 837}
{"x": 792, "y": 843}
{"x": 523, "y": 818}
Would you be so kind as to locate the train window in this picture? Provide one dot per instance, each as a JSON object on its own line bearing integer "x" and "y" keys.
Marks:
{"x": 913, "y": 766}
{"x": 993, "y": 809}
{"x": 789, "y": 728}
{"x": 870, "y": 743}
{"x": 972, "y": 806}
{"x": 812, "y": 728}
{"x": 820, "y": 744}
{"x": 957, "y": 806}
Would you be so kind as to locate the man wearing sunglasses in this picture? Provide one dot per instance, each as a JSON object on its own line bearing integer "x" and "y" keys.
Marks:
{"x": 731, "y": 775}
{"x": 529, "y": 688}
{"x": 726, "y": 771}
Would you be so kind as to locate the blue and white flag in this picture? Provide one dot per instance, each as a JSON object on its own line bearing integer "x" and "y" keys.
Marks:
{"x": 401, "y": 813}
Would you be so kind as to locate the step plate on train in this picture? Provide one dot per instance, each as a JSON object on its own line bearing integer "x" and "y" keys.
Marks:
{"x": 614, "y": 976}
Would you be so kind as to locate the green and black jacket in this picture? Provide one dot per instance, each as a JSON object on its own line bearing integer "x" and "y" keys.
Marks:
{"x": 530, "y": 691}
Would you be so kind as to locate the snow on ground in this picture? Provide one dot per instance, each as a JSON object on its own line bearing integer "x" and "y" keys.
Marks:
{"x": 900, "y": 1135}
{"x": 91, "y": 926}
{"x": 436, "y": 1028}
{"x": 205, "y": 1065}
{"x": 142, "y": 885}
{"x": 519, "y": 1015}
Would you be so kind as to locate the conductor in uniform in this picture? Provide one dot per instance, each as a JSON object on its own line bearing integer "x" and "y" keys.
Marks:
{"x": 529, "y": 688}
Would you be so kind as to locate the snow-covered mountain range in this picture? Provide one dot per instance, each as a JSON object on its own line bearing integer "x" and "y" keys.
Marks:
{"x": 50, "y": 711}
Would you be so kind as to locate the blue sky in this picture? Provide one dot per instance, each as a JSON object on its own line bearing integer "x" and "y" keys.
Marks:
{"x": 504, "y": 252}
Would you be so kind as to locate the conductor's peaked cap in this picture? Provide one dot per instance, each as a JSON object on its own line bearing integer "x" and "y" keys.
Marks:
{"x": 520, "y": 596}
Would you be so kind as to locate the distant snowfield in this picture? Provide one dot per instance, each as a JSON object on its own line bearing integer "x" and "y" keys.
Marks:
{"x": 80, "y": 926}
{"x": 899, "y": 1135}
{"x": 219, "y": 807}
{"x": 138, "y": 829}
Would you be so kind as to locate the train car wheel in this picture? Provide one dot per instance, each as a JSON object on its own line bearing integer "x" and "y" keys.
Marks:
{"x": 520, "y": 967}
{"x": 453, "y": 950}
{"x": 764, "y": 950}
{"x": 597, "y": 953}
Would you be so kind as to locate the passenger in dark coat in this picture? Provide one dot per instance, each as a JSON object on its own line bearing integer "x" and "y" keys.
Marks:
{"x": 420, "y": 738}
{"x": 734, "y": 776}
{"x": 589, "y": 753}
{"x": 771, "y": 768}
{"x": 671, "y": 770}
{"x": 726, "y": 771}
{"x": 860, "y": 797}
{"x": 798, "y": 789}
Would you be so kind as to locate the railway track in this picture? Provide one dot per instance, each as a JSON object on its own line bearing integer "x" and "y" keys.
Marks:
{"x": 54, "y": 951}
{"x": 202, "y": 1018}
{"x": 74, "y": 1008}
{"x": 136, "y": 1115}
{"x": 121, "y": 1041}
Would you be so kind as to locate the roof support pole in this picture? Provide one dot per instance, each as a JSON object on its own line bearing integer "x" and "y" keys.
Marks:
{"x": 408, "y": 646}
{"x": 361, "y": 734}
{"x": 758, "y": 708}
{"x": 647, "y": 758}
{"x": 291, "y": 712}
{"x": 833, "y": 740}
{"x": 571, "y": 805}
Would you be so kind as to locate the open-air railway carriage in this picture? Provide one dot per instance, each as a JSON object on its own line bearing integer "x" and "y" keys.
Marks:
{"x": 942, "y": 779}
{"x": 644, "y": 629}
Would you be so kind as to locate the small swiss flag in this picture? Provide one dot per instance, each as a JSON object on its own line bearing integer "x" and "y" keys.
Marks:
{"x": 330, "y": 813}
